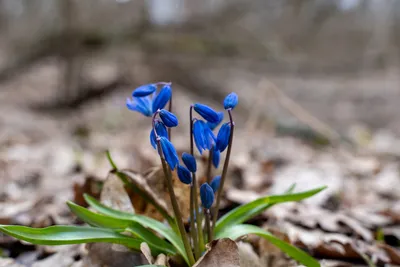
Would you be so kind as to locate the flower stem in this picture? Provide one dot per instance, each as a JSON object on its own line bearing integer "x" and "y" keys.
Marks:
{"x": 208, "y": 228}
{"x": 194, "y": 182}
{"x": 175, "y": 206}
{"x": 225, "y": 169}
{"x": 192, "y": 224}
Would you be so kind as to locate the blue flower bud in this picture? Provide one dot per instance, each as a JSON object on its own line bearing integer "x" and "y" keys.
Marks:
{"x": 198, "y": 135}
{"x": 168, "y": 118}
{"x": 215, "y": 183}
{"x": 223, "y": 136}
{"x": 161, "y": 131}
{"x": 162, "y": 98}
{"x": 206, "y": 195}
{"x": 140, "y": 104}
{"x": 231, "y": 101}
{"x": 216, "y": 157}
{"x": 206, "y": 112}
{"x": 184, "y": 175}
{"x": 169, "y": 152}
{"x": 214, "y": 125}
{"x": 144, "y": 90}
{"x": 190, "y": 161}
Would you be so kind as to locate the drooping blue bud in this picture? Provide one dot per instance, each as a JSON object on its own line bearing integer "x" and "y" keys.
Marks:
{"x": 140, "y": 104}
{"x": 206, "y": 195}
{"x": 169, "y": 152}
{"x": 214, "y": 125}
{"x": 198, "y": 135}
{"x": 223, "y": 136}
{"x": 162, "y": 98}
{"x": 190, "y": 161}
{"x": 231, "y": 101}
{"x": 184, "y": 175}
{"x": 216, "y": 157}
{"x": 144, "y": 90}
{"x": 210, "y": 138}
{"x": 206, "y": 112}
{"x": 161, "y": 131}
{"x": 168, "y": 118}
{"x": 215, "y": 183}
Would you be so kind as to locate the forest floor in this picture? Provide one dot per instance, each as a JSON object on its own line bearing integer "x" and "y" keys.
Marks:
{"x": 51, "y": 155}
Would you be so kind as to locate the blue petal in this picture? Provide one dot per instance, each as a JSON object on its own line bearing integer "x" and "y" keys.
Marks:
{"x": 144, "y": 90}
{"x": 198, "y": 135}
{"x": 184, "y": 175}
{"x": 210, "y": 138}
{"x": 162, "y": 98}
{"x": 161, "y": 129}
{"x": 153, "y": 140}
{"x": 214, "y": 125}
{"x": 140, "y": 104}
{"x": 216, "y": 157}
{"x": 206, "y": 112}
{"x": 206, "y": 195}
{"x": 190, "y": 161}
{"x": 215, "y": 183}
{"x": 223, "y": 136}
{"x": 168, "y": 118}
{"x": 169, "y": 152}
{"x": 231, "y": 101}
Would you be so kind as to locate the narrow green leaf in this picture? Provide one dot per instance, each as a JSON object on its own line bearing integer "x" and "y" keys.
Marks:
{"x": 253, "y": 208}
{"x": 236, "y": 231}
{"x": 65, "y": 235}
{"x": 155, "y": 225}
{"x": 99, "y": 220}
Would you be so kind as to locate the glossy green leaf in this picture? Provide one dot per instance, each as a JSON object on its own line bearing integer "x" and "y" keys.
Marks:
{"x": 236, "y": 231}
{"x": 253, "y": 208}
{"x": 155, "y": 225}
{"x": 99, "y": 220}
{"x": 65, "y": 235}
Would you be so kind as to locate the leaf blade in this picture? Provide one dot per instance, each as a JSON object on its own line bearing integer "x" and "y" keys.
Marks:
{"x": 253, "y": 208}
{"x": 157, "y": 226}
{"x": 237, "y": 231}
{"x": 66, "y": 235}
{"x": 99, "y": 220}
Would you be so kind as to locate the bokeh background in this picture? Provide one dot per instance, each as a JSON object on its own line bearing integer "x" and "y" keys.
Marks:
{"x": 319, "y": 100}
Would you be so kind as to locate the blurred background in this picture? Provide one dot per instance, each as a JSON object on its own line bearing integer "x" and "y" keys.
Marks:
{"x": 337, "y": 59}
{"x": 318, "y": 84}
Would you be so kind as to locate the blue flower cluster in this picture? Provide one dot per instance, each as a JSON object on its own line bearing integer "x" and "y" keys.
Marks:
{"x": 148, "y": 102}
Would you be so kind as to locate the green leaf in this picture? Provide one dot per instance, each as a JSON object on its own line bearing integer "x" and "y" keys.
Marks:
{"x": 155, "y": 225}
{"x": 65, "y": 235}
{"x": 253, "y": 208}
{"x": 156, "y": 244}
{"x": 236, "y": 231}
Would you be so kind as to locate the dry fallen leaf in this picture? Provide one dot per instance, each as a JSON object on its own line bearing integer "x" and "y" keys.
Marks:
{"x": 221, "y": 253}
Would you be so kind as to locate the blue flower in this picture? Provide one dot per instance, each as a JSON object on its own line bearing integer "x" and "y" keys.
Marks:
{"x": 206, "y": 112}
{"x": 144, "y": 90}
{"x": 168, "y": 118}
{"x": 223, "y": 136}
{"x": 184, "y": 175}
{"x": 190, "y": 161}
{"x": 140, "y": 104}
{"x": 214, "y": 125}
{"x": 204, "y": 138}
{"x": 161, "y": 131}
{"x": 162, "y": 98}
{"x": 215, "y": 183}
{"x": 231, "y": 101}
{"x": 206, "y": 195}
{"x": 216, "y": 157}
{"x": 148, "y": 103}
{"x": 169, "y": 152}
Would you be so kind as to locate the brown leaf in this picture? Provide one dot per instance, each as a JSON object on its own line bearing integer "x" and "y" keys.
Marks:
{"x": 102, "y": 254}
{"x": 114, "y": 195}
{"x": 145, "y": 249}
{"x": 221, "y": 253}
